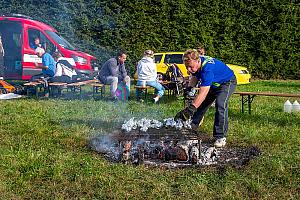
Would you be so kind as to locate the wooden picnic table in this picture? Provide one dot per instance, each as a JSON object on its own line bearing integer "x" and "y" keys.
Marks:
{"x": 247, "y": 97}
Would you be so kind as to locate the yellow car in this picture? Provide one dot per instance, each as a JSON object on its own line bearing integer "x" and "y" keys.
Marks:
{"x": 163, "y": 60}
{"x": 242, "y": 74}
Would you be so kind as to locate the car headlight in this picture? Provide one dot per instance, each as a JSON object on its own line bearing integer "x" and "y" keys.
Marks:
{"x": 79, "y": 59}
{"x": 244, "y": 71}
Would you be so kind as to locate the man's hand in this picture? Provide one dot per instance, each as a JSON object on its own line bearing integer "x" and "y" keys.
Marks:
{"x": 36, "y": 64}
{"x": 186, "y": 113}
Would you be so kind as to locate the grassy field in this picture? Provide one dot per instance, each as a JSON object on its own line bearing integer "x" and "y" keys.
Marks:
{"x": 44, "y": 153}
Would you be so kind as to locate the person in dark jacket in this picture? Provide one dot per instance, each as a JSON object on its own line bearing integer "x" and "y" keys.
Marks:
{"x": 113, "y": 71}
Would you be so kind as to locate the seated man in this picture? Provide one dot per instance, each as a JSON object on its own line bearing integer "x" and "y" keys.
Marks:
{"x": 113, "y": 71}
{"x": 48, "y": 68}
{"x": 48, "y": 64}
{"x": 147, "y": 75}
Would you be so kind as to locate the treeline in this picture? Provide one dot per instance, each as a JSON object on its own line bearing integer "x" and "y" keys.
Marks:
{"x": 262, "y": 35}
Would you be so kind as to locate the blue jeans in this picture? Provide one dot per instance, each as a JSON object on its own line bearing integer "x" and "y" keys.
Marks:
{"x": 159, "y": 89}
{"x": 221, "y": 95}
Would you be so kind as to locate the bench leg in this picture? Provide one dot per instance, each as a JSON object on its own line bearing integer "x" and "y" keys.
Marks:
{"x": 249, "y": 104}
{"x": 247, "y": 99}
{"x": 146, "y": 94}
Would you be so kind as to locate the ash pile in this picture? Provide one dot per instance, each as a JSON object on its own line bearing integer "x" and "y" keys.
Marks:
{"x": 169, "y": 144}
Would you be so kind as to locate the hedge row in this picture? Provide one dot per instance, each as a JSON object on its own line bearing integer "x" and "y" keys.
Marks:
{"x": 262, "y": 35}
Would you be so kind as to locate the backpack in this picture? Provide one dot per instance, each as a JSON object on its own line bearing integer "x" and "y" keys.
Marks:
{"x": 122, "y": 92}
{"x": 175, "y": 75}
{"x": 64, "y": 68}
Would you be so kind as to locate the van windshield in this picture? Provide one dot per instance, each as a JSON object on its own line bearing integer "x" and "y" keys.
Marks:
{"x": 60, "y": 40}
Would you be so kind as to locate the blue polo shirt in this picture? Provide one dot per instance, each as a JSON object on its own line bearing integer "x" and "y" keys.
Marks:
{"x": 214, "y": 71}
{"x": 48, "y": 60}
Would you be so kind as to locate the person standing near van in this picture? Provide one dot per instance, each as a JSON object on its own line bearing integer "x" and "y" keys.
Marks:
{"x": 113, "y": 71}
{"x": 147, "y": 74}
{"x": 201, "y": 50}
{"x": 1, "y": 59}
{"x": 218, "y": 82}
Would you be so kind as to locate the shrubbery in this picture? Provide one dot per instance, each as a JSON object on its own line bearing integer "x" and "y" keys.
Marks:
{"x": 262, "y": 35}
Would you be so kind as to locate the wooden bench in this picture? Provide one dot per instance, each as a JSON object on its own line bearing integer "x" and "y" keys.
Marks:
{"x": 77, "y": 86}
{"x": 143, "y": 89}
{"x": 59, "y": 86}
{"x": 247, "y": 97}
{"x": 96, "y": 87}
{"x": 37, "y": 86}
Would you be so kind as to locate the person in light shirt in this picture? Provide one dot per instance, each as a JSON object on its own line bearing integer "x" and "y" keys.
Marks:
{"x": 147, "y": 75}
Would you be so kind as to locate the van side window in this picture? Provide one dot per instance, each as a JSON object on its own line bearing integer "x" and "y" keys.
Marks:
{"x": 37, "y": 38}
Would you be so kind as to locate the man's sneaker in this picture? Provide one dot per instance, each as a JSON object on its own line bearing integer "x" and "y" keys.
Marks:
{"x": 221, "y": 142}
{"x": 155, "y": 99}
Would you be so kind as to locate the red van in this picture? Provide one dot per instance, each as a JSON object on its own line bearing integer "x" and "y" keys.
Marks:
{"x": 17, "y": 34}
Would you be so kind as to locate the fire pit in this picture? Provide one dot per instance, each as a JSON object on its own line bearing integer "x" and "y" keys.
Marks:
{"x": 169, "y": 144}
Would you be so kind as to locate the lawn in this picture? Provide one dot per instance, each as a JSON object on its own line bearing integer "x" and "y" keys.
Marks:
{"x": 44, "y": 152}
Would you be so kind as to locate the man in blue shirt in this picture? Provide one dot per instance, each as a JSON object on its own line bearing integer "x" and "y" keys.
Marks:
{"x": 48, "y": 64}
{"x": 218, "y": 82}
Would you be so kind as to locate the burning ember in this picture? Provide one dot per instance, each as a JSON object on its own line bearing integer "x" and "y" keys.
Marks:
{"x": 170, "y": 144}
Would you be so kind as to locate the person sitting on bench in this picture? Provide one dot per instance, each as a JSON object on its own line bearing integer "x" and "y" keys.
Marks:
{"x": 48, "y": 65}
{"x": 65, "y": 72}
{"x": 147, "y": 74}
{"x": 113, "y": 71}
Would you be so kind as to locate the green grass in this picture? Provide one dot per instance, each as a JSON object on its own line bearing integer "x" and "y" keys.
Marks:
{"x": 44, "y": 153}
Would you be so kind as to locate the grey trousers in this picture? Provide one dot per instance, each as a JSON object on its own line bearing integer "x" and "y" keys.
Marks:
{"x": 221, "y": 95}
{"x": 113, "y": 82}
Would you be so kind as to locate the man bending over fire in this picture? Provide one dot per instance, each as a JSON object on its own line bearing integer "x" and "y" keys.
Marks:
{"x": 218, "y": 82}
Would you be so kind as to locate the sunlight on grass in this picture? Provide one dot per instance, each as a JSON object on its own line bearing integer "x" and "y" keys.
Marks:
{"x": 44, "y": 153}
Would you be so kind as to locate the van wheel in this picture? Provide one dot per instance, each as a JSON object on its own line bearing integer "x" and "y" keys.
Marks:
{"x": 19, "y": 89}
{"x": 3, "y": 90}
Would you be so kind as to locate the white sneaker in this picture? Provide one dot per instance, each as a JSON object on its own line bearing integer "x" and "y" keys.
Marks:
{"x": 155, "y": 100}
{"x": 1, "y": 78}
{"x": 221, "y": 142}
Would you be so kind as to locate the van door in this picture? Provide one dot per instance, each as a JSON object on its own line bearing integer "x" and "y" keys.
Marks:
{"x": 11, "y": 59}
{"x": 29, "y": 51}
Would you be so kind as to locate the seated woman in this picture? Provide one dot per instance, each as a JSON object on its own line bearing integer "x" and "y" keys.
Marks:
{"x": 147, "y": 75}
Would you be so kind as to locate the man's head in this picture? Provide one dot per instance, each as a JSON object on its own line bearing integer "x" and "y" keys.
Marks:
{"x": 56, "y": 55}
{"x": 191, "y": 60}
{"x": 39, "y": 51}
{"x": 122, "y": 56}
{"x": 201, "y": 51}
